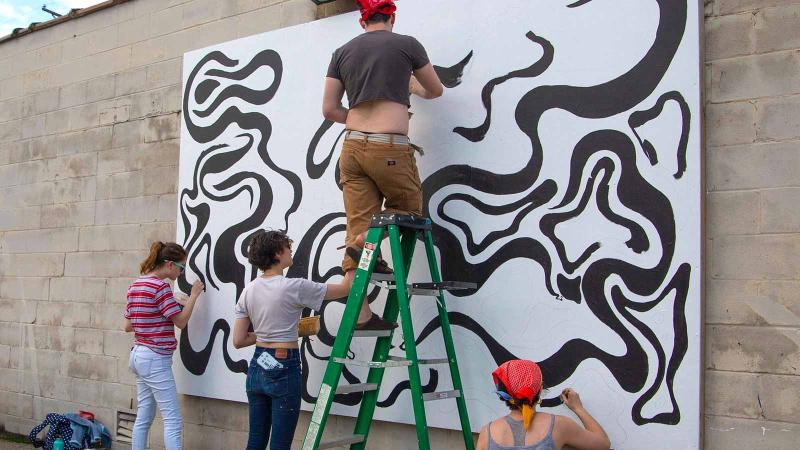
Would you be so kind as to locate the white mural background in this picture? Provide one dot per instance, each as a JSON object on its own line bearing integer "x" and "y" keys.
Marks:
{"x": 576, "y": 207}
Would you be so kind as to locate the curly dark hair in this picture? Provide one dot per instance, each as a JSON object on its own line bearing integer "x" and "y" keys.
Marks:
{"x": 378, "y": 18}
{"x": 264, "y": 246}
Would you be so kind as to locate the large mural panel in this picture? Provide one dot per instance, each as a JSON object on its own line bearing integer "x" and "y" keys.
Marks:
{"x": 561, "y": 170}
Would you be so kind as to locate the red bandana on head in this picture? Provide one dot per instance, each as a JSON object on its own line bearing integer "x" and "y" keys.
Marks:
{"x": 521, "y": 378}
{"x": 372, "y": 7}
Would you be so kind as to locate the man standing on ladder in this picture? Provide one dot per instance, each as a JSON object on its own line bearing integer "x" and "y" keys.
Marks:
{"x": 378, "y": 70}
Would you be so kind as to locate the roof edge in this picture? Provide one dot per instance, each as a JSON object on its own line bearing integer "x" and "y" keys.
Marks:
{"x": 73, "y": 14}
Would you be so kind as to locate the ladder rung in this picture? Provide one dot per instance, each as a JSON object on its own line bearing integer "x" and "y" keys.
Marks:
{"x": 434, "y": 361}
{"x": 401, "y": 220}
{"x": 440, "y": 395}
{"x": 379, "y": 277}
{"x": 341, "y": 441}
{"x": 392, "y": 362}
{"x": 434, "y": 288}
{"x": 372, "y": 333}
{"x": 360, "y": 387}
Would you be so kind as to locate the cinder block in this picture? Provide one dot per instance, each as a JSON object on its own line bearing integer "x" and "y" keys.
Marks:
{"x": 750, "y": 302}
{"x": 753, "y": 349}
{"x": 28, "y": 195}
{"x": 778, "y": 119}
{"x": 10, "y": 109}
{"x": 754, "y": 76}
{"x": 68, "y": 215}
{"x": 198, "y": 436}
{"x": 295, "y": 12}
{"x": 728, "y": 36}
{"x": 131, "y": 81}
{"x": 101, "y": 88}
{"x": 40, "y": 241}
{"x": 111, "y": 237}
{"x": 108, "y": 317}
{"x": 32, "y": 265}
{"x": 78, "y": 289}
{"x": 225, "y": 414}
{"x": 85, "y": 391}
{"x": 21, "y": 311}
{"x": 753, "y": 396}
{"x": 151, "y": 232}
{"x": 87, "y": 340}
{"x": 57, "y": 122}
{"x": 117, "y": 288}
{"x": 11, "y": 131}
{"x": 86, "y": 141}
{"x": 10, "y": 380}
{"x": 134, "y": 30}
{"x": 735, "y": 6}
{"x": 74, "y": 190}
{"x": 753, "y": 166}
{"x": 31, "y": 127}
{"x": 64, "y": 314}
{"x": 126, "y": 134}
{"x": 5, "y": 356}
{"x": 40, "y": 102}
{"x": 20, "y": 218}
{"x": 117, "y": 343}
{"x": 728, "y": 432}
{"x": 167, "y": 208}
{"x": 83, "y": 117}
{"x": 335, "y": 8}
{"x": 114, "y": 112}
{"x": 764, "y": 257}
{"x": 102, "y": 264}
{"x": 18, "y": 425}
{"x": 45, "y": 337}
{"x": 92, "y": 367}
{"x": 72, "y": 95}
{"x": 11, "y": 334}
{"x": 160, "y": 180}
{"x": 779, "y": 211}
{"x": 19, "y": 405}
{"x": 120, "y": 185}
{"x": 234, "y": 439}
{"x": 258, "y": 21}
{"x": 192, "y": 408}
{"x": 165, "y": 73}
{"x": 118, "y": 396}
{"x": 126, "y": 210}
{"x": 166, "y": 21}
{"x": 162, "y": 128}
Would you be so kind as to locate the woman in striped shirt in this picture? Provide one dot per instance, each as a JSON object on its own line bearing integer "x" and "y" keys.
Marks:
{"x": 152, "y": 313}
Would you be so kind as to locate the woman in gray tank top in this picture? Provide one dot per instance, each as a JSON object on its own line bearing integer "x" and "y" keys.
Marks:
{"x": 519, "y": 384}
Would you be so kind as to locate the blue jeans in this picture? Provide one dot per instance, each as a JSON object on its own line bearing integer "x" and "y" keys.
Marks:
{"x": 155, "y": 385}
{"x": 273, "y": 398}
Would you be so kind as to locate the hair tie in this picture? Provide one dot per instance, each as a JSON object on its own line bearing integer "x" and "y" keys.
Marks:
{"x": 527, "y": 415}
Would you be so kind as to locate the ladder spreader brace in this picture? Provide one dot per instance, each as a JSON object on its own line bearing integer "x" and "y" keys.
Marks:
{"x": 403, "y": 231}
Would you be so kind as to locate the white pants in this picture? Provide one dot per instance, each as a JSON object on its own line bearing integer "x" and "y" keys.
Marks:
{"x": 155, "y": 385}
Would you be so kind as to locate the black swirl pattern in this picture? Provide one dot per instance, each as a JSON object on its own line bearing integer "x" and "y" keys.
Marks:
{"x": 603, "y": 173}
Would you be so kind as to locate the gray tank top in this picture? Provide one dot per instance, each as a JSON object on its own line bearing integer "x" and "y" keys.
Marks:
{"x": 519, "y": 437}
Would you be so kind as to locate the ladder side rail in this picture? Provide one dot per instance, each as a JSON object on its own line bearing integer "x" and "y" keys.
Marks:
{"x": 447, "y": 335}
{"x": 417, "y": 402}
{"x": 383, "y": 345}
{"x": 344, "y": 336}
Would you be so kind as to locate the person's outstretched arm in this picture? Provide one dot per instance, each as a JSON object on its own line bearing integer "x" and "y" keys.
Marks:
{"x": 241, "y": 336}
{"x": 589, "y": 437}
{"x": 425, "y": 83}
{"x": 182, "y": 318}
{"x": 332, "y": 107}
{"x": 341, "y": 289}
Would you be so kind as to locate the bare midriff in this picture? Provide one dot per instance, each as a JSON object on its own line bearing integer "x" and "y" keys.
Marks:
{"x": 277, "y": 344}
{"x": 378, "y": 116}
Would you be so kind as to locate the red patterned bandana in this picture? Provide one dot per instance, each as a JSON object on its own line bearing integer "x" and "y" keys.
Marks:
{"x": 521, "y": 378}
{"x": 371, "y": 7}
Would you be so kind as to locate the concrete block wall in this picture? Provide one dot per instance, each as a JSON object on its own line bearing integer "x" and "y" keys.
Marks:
{"x": 89, "y": 127}
{"x": 752, "y": 160}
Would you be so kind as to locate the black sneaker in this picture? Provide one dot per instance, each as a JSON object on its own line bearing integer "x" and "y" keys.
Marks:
{"x": 375, "y": 323}
{"x": 381, "y": 266}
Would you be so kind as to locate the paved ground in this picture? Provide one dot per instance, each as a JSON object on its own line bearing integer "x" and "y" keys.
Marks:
{"x": 6, "y": 445}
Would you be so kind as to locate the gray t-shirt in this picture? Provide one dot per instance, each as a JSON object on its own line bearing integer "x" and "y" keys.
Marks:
{"x": 274, "y": 305}
{"x": 377, "y": 66}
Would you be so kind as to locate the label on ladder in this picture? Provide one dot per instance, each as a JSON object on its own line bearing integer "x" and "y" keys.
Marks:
{"x": 324, "y": 393}
{"x": 311, "y": 436}
{"x": 366, "y": 255}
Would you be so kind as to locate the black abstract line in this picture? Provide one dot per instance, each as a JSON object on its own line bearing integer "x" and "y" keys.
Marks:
{"x": 639, "y": 118}
{"x": 451, "y": 76}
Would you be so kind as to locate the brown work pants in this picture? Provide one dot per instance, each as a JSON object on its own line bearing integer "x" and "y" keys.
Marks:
{"x": 372, "y": 172}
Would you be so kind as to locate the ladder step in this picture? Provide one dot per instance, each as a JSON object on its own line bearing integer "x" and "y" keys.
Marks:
{"x": 360, "y": 387}
{"x": 341, "y": 441}
{"x": 440, "y": 395}
{"x": 403, "y": 221}
{"x": 434, "y": 288}
{"x": 392, "y": 362}
{"x": 433, "y": 361}
{"x": 382, "y": 277}
{"x": 372, "y": 333}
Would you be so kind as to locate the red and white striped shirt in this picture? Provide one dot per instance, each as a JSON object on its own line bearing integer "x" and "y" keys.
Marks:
{"x": 150, "y": 306}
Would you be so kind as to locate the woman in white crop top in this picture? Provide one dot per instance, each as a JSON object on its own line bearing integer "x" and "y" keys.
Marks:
{"x": 272, "y": 304}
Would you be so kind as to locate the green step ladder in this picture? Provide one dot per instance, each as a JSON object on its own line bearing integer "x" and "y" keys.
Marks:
{"x": 403, "y": 232}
